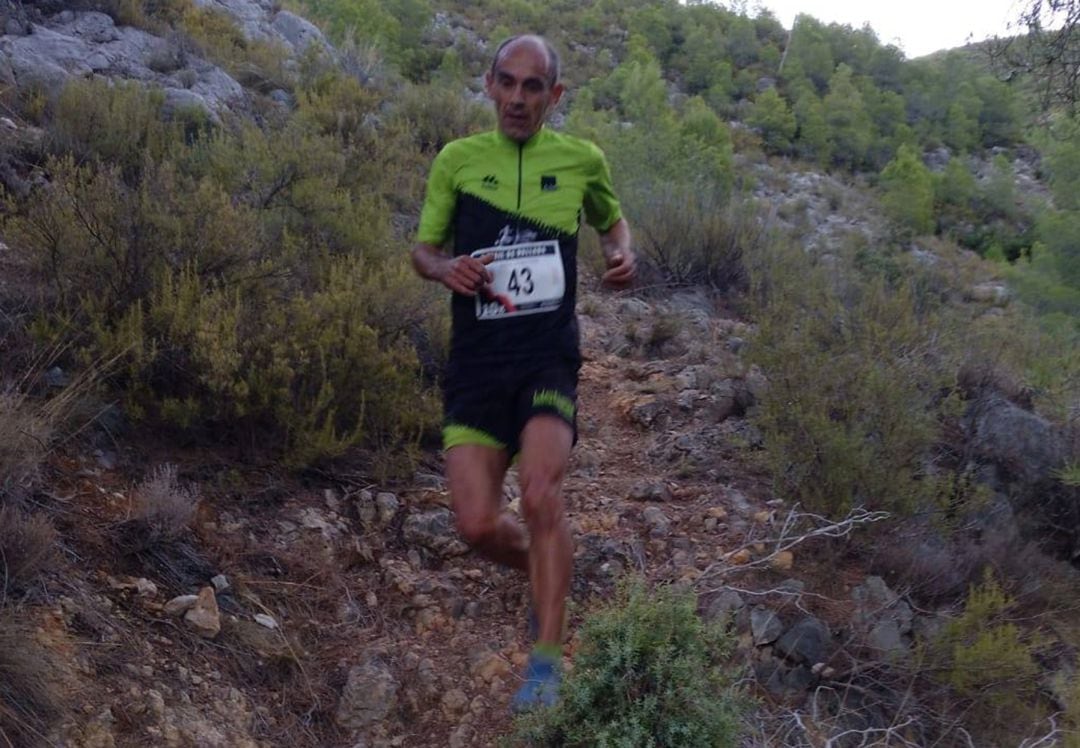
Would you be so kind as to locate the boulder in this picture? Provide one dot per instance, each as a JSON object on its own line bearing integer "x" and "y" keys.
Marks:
{"x": 806, "y": 642}
{"x": 369, "y": 696}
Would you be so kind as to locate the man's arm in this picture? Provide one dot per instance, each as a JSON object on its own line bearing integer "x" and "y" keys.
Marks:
{"x": 620, "y": 258}
{"x": 462, "y": 274}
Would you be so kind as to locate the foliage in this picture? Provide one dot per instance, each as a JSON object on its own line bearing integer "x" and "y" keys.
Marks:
{"x": 850, "y": 415}
{"x": 771, "y": 115}
{"x": 647, "y": 673}
{"x": 985, "y": 656}
{"x": 244, "y": 279}
{"x": 908, "y": 198}
{"x": 691, "y": 237}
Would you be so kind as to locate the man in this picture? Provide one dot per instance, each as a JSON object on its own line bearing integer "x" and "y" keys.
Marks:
{"x": 511, "y": 200}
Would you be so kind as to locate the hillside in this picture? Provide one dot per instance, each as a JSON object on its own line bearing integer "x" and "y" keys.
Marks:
{"x": 838, "y": 413}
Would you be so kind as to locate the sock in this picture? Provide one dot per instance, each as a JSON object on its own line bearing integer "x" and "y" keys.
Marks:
{"x": 549, "y": 652}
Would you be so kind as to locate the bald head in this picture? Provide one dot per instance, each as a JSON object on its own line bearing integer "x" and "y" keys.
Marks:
{"x": 536, "y": 42}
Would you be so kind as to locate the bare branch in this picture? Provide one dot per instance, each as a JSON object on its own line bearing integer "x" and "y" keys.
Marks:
{"x": 791, "y": 536}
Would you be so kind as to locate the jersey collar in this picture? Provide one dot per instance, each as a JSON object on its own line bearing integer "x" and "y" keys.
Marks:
{"x": 536, "y": 137}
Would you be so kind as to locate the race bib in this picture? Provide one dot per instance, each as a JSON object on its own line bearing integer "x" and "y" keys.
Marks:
{"x": 528, "y": 279}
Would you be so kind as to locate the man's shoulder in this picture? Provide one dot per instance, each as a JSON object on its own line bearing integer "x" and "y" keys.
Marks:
{"x": 469, "y": 144}
{"x": 564, "y": 141}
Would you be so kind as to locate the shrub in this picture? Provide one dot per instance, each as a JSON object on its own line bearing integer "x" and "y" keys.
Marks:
{"x": 986, "y": 657}
{"x": 855, "y": 376}
{"x": 30, "y": 701}
{"x": 162, "y": 504}
{"x": 647, "y": 673}
{"x": 27, "y": 549}
{"x": 23, "y": 434}
{"x": 686, "y": 231}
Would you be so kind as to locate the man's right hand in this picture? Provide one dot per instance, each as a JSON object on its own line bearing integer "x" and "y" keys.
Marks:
{"x": 467, "y": 275}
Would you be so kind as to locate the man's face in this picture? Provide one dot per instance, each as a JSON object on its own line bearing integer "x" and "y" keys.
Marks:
{"x": 520, "y": 89}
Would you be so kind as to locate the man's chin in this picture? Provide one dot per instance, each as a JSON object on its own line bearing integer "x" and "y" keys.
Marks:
{"x": 517, "y": 131}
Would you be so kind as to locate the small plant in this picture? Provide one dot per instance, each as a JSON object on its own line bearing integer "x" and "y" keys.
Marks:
{"x": 986, "y": 657}
{"x": 29, "y": 701}
{"x": 648, "y": 673}
{"x": 163, "y": 504}
{"x": 27, "y": 549}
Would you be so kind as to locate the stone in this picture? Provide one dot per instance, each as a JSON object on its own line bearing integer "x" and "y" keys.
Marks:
{"x": 386, "y": 505}
{"x": 658, "y": 523}
{"x": 491, "y": 665}
{"x": 434, "y": 530}
{"x": 782, "y": 561}
{"x": 454, "y": 702}
{"x": 1025, "y": 445}
{"x": 723, "y": 607}
{"x": 204, "y": 616}
{"x": 765, "y": 625}
{"x": 806, "y": 642}
{"x": 298, "y": 32}
{"x": 370, "y": 694}
{"x": 220, "y": 582}
{"x": 996, "y": 294}
{"x": 650, "y": 491}
{"x": 885, "y": 638}
{"x": 740, "y": 557}
{"x": 180, "y": 605}
{"x": 264, "y": 620}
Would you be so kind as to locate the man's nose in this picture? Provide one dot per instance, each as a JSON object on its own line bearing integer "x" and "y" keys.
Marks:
{"x": 517, "y": 94}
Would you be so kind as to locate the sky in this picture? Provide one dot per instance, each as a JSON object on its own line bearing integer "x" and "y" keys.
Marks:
{"x": 918, "y": 27}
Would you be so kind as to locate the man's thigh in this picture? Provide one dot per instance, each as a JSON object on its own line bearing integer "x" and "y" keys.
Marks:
{"x": 475, "y": 474}
{"x": 546, "y": 442}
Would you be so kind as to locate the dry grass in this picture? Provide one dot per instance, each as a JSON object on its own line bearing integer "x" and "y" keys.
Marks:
{"x": 29, "y": 701}
{"x": 163, "y": 505}
{"x": 27, "y": 549}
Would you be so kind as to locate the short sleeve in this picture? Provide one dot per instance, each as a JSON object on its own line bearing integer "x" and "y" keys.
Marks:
{"x": 602, "y": 209}
{"x": 439, "y": 202}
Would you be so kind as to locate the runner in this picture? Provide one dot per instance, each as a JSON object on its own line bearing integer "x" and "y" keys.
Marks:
{"x": 509, "y": 204}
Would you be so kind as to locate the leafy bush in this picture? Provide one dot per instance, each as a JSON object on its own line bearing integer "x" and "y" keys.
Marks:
{"x": 245, "y": 281}
{"x": 855, "y": 375}
{"x": 647, "y": 673}
{"x": 986, "y": 657}
{"x": 690, "y": 235}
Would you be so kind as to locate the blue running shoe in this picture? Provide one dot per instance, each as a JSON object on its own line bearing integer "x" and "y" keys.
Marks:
{"x": 541, "y": 688}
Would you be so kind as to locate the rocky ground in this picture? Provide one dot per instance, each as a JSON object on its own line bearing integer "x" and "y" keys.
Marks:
{"x": 333, "y": 612}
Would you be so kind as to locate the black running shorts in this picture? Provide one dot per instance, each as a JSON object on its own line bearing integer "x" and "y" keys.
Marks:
{"x": 490, "y": 405}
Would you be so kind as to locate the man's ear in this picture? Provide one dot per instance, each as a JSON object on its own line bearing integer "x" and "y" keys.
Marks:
{"x": 556, "y": 93}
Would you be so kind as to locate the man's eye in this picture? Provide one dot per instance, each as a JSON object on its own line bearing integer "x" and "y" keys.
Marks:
{"x": 534, "y": 86}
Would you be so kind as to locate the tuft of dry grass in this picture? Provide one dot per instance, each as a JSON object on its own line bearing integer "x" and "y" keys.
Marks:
{"x": 162, "y": 504}
{"x": 23, "y": 436}
{"x": 30, "y": 702}
{"x": 27, "y": 549}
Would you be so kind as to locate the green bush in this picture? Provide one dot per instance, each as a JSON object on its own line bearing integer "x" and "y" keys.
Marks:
{"x": 855, "y": 375}
{"x": 648, "y": 672}
{"x": 989, "y": 660}
{"x": 690, "y": 235}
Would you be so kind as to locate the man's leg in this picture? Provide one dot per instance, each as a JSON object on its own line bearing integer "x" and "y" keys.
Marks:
{"x": 475, "y": 474}
{"x": 545, "y": 453}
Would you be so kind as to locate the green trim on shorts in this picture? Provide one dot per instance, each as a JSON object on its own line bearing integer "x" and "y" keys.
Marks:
{"x": 563, "y": 405}
{"x": 456, "y": 435}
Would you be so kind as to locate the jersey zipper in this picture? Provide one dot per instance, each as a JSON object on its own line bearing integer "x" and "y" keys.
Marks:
{"x": 517, "y": 216}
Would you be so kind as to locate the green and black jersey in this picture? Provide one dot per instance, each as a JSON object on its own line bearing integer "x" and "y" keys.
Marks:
{"x": 523, "y": 202}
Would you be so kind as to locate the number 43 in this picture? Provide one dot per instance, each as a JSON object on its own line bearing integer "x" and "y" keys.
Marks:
{"x": 520, "y": 281}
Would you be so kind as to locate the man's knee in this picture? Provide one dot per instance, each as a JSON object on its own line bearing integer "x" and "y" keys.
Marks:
{"x": 541, "y": 499}
{"x": 476, "y": 528}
